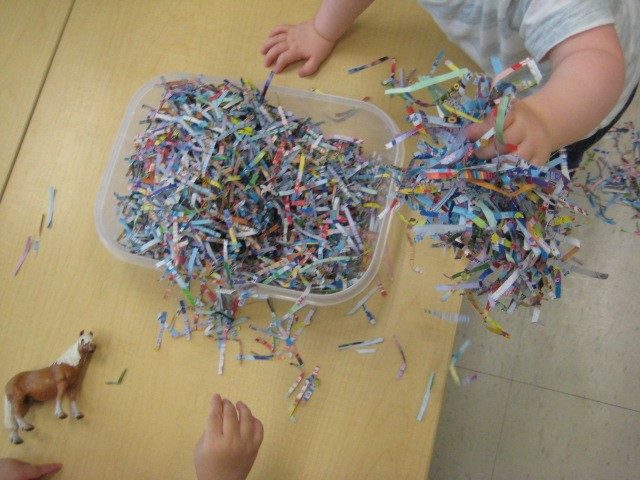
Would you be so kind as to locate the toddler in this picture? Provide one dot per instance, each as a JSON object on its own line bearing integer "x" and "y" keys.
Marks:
{"x": 588, "y": 51}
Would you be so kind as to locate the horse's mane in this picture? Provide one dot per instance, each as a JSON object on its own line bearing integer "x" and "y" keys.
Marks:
{"x": 71, "y": 356}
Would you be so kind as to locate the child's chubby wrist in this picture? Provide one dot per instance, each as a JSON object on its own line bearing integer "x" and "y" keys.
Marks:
{"x": 317, "y": 28}
{"x": 544, "y": 118}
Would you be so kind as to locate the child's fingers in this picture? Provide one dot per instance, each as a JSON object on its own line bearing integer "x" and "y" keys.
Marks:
{"x": 258, "y": 432}
{"x": 214, "y": 422}
{"x": 525, "y": 151}
{"x": 274, "y": 53}
{"x": 310, "y": 67}
{"x": 271, "y": 41}
{"x": 280, "y": 29}
{"x": 285, "y": 59}
{"x": 514, "y": 133}
{"x": 495, "y": 148}
{"x": 245, "y": 419}
{"x": 39, "y": 471}
{"x": 476, "y": 130}
{"x": 532, "y": 153}
{"x": 538, "y": 157}
{"x": 229, "y": 419}
{"x": 492, "y": 150}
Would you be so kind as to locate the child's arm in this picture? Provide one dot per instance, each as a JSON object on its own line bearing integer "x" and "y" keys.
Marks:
{"x": 587, "y": 79}
{"x": 313, "y": 40}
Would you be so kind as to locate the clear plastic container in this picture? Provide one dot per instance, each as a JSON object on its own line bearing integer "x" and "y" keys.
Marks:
{"x": 369, "y": 123}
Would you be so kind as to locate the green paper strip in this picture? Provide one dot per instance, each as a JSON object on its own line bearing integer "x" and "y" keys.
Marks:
{"x": 425, "y": 82}
{"x": 502, "y": 113}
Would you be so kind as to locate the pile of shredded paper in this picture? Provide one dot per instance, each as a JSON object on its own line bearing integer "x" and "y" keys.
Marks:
{"x": 227, "y": 189}
{"x": 611, "y": 173}
{"x": 510, "y": 220}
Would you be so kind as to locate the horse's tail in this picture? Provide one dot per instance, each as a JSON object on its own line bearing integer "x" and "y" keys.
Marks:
{"x": 9, "y": 421}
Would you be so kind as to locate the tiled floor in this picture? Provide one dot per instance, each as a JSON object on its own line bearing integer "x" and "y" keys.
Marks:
{"x": 562, "y": 400}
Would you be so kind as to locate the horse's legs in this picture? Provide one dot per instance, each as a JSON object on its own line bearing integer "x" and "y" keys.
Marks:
{"x": 13, "y": 419}
{"x": 10, "y": 422}
{"x": 24, "y": 425}
{"x": 20, "y": 409}
{"x": 15, "y": 437}
{"x": 75, "y": 413}
{"x": 61, "y": 387}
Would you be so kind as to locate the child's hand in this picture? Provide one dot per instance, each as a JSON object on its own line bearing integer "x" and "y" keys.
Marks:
{"x": 289, "y": 43}
{"x": 230, "y": 442}
{"x": 11, "y": 469}
{"x": 525, "y": 134}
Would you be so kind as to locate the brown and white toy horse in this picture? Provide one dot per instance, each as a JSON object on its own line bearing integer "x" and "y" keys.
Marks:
{"x": 63, "y": 376}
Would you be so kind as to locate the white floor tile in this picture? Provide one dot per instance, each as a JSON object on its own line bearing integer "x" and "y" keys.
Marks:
{"x": 551, "y": 435}
{"x": 590, "y": 345}
{"x": 469, "y": 429}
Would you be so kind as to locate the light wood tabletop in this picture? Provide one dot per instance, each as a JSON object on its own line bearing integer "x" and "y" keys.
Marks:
{"x": 29, "y": 33}
{"x": 361, "y": 422}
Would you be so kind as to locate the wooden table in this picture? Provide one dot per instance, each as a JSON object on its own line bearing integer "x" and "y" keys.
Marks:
{"x": 29, "y": 33}
{"x": 361, "y": 423}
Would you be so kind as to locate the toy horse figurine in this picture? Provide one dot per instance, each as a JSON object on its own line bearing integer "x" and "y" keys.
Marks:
{"x": 62, "y": 377}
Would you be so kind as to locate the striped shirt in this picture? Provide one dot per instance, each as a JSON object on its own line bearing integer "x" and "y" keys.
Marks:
{"x": 514, "y": 29}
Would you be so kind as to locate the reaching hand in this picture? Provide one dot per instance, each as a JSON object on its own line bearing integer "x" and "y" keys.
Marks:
{"x": 289, "y": 43}
{"x": 525, "y": 134}
{"x": 230, "y": 442}
{"x": 11, "y": 469}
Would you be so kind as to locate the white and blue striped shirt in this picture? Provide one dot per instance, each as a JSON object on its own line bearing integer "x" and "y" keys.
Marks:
{"x": 514, "y": 29}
